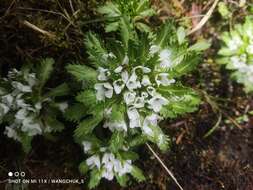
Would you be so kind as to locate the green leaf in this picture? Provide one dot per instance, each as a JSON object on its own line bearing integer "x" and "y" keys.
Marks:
{"x": 52, "y": 122}
{"x": 95, "y": 49}
{"x": 122, "y": 180}
{"x": 164, "y": 34}
{"x": 129, "y": 155}
{"x": 95, "y": 178}
{"x": 125, "y": 31}
{"x": 182, "y": 100}
{"x": 109, "y": 10}
{"x": 189, "y": 63}
{"x": 26, "y": 142}
{"x": 88, "y": 99}
{"x": 112, "y": 27}
{"x": 181, "y": 34}
{"x": 116, "y": 141}
{"x": 83, "y": 73}
{"x": 61, "y": 90}
{"x": 137, "y": 140}
{"x": 45, "y": 69}
{"x": 87, "y": 125}
{"x": 200, "y": 46}
{"x": 75, "y": 112}
{"x": 137, "y": 174}
{"x": 118, "y": 113}
{"x": 83, "y": 167}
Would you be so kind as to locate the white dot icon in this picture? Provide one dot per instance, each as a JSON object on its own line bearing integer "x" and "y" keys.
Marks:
{"x": 10, "y": 174}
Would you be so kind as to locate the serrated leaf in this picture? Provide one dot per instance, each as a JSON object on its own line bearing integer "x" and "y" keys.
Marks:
{"x": 137, "y": 140}
{"x": 125, "y": 31}
{"x": 118, "y": 112}
{"x": 83, "y": 73}
{"x": 53, "y": 123}
{"x": 83, "y": 167}
{"x": 129, "y": 155}
{"x": 87, "y": 125}
{"x": 45, "y": 69}
{"x": 75, "y": 112}
{"x": 189, "y": 63}
{"x": 26, "y": 142}
{"x": 200, "y": 46}
{"x": 88, "y": 99}
{"x": 95, "y": 177}
{"x": 61, "y": 90}
{"x": 137, "y": 174}
{"x": 122, "y": 180}
{"x": 116, "y": 141}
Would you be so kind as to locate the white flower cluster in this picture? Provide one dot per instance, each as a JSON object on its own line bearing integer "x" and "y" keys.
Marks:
{"x": 240, "y": 63}
{"x": 239, "y": 50}
{"x": 138, "y": 89}
{"x": 15, "y": 103}
{"x": 107, "y": 163}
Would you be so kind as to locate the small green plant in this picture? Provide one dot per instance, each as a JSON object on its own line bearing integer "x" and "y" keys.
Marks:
{"x": 130, "y": 85}
{"x": 134, "y": 11}
{"x": 25, "y": 110}
{"x": 237, "y": 53}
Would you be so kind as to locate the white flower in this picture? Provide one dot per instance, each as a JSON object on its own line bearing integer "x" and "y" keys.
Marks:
{"x": 154, "y": 49}
{"x": 108, "y": 55}
{"x": 165, "y": 58}
{"x": 108, "y": 161}
{"x": 121, "y": 125}
{"x": 11, "y": 133}
{"x": 125, "y": 60}
{"x": 132, "y": 82}
{"x": 124, "y": 76}
{"x": 162, "y": 79}
{"x": 118, "y": 86}
{"x": 129, "y": 97}
{"x": 144, "y": 95}
{"x": 63, "y": 106}
{"x": 108, "y": 174}
{"x": 3, "y": 109}
{"x": 150, "y": 120}
{"x": 29, "y": 126}
{"x": 145, "y": 80}
{"x": 86, "y": 146}
{"x": 250, "y": 49}
{"x": 21, "y": 103}
{"x": 125, "y": 168}
{"x": 235, "y": 43}
{"x": 107, "y": 112}
{"x": 8, "y": 100}
{"x": 21, "y": 114}
{"x": 111, "y": 55}
{"x": 19, "y": 86}
{"x": 103, "y": 74}
{"x": 238, "y": 63}
{"x": 151, "y": 90}
{"x": 108, "y": 157}
{"x": 118, "y": 69}
{"x": 161, "y": 139}
{"x": 143, "y": 69}
{"x": 93, "y": 161}
{"x": 31, "y": 79}
{"x": 103, "y": 90}
{"x": 134, "y": 117}
{"x": 38, "y": 106}
{"x": 139, "y": 102}
{"x": 157, "y": 102}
